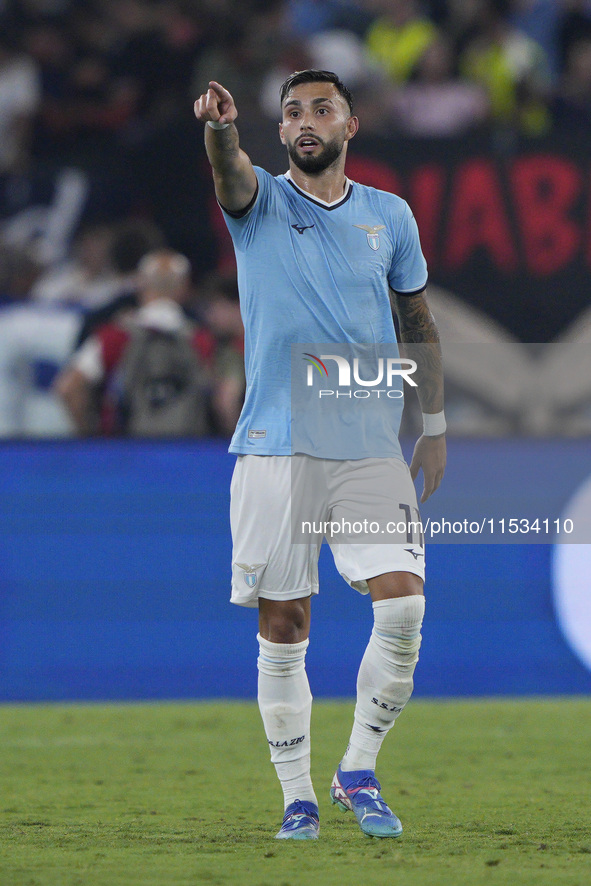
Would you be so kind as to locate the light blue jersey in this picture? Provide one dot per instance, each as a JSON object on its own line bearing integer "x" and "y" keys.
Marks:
{"x": 310, "y": 272}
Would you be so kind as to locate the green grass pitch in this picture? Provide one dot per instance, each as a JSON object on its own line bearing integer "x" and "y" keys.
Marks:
{"x": 489, "y": 792}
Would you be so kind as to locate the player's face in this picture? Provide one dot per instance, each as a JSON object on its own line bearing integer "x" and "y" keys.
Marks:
{"x": 316, "y": 125}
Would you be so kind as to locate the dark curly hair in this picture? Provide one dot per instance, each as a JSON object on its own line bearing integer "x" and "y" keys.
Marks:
{"x": 313, "y": 76}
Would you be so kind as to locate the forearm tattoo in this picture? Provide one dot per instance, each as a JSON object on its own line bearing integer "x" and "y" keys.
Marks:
{"x": 420, "y": 342}
{"x": 223, "y": 146}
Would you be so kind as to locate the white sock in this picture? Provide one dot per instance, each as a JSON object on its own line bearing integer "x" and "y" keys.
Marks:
{"x": 385, "y": 680}
{"x": 285, "y": 703}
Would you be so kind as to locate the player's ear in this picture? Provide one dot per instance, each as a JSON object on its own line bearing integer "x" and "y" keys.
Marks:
{"x": 281, "y": 136}
{"x": 352, "y": 127}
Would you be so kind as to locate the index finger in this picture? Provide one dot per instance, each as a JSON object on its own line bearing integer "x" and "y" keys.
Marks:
{"x": 219, "y": 90}
{"x": 431, "y": 484}
{"x": 428, "y": 489}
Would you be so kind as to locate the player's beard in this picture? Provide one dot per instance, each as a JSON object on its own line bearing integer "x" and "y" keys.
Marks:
{"x": 314, "y": 164}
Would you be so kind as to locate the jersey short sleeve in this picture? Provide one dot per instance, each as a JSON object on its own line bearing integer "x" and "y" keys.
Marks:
{"x": 243, "y": 226}
{"x": 408, "y": 272}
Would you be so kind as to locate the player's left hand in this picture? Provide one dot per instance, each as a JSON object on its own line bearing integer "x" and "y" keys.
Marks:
{"x": 430, "y": 454}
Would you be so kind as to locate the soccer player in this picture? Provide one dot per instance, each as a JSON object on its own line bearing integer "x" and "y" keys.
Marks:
{"x": 317, "y": 258}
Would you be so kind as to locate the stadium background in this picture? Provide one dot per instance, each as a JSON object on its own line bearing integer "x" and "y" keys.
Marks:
{"x": 114, "y": 553}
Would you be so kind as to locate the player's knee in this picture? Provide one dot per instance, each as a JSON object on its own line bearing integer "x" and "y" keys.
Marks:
{"x": 283, "y": 629}
{"x": 284, "y": 621}
{"x": 391, "y": 585}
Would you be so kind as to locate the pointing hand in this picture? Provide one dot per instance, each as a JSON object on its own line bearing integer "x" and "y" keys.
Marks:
{"x": 216, "y": 104}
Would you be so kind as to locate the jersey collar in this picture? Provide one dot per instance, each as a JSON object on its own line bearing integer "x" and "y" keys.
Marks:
{"x": 325, "y": 205}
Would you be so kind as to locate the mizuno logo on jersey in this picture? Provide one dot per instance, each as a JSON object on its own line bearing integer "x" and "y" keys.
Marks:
{"x": 301, "y": 228}
{"x": 414, "y": 553}
{"x": 373, "y": 238}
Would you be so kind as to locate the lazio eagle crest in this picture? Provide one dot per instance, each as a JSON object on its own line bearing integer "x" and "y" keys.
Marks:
{"x": 250, "y": 576}
{"x": 373, "y": 238}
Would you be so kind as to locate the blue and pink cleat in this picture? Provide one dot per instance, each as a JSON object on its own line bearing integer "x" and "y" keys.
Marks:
{"x": 359, "y": 791}
{"x": 300, "y": 822}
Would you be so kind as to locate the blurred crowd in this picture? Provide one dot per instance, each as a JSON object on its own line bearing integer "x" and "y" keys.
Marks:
{"x": 67, "y": 335}
{"x": 95, "y": 101}
{"x": 82, "y": 74}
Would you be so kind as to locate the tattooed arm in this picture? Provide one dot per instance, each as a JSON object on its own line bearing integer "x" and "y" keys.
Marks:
{"x": 234, "y": 178}
{"x": 419, "y": 341}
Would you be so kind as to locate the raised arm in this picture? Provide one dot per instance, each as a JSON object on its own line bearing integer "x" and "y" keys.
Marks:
{"x": 233, "y": 175}
{"x": 420, "y": 341}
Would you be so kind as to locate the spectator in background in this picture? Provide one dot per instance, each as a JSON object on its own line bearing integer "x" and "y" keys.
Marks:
{"x": 19, "y": 99}
{"x": 512, "y": 68}
{"x": 155, "y": 49}
{"x": 147, "y": 373}
{"x": 246, "y": 48}
{"x": 223, "y": 319}
{"x": 86, "y": 104}
{"x": 182, "y": 33}
{"x": 130, "y": 242}
{"x": 572, "y": 105}
{"x": 308, "y": 17}
{"x": 87, "y": 278}
{"x": 50, "y": 45}
{"x": 18, "y": 273}
{"x": 436, "y": 103}
{"x": 462, "y": 21}
{"x": 398, "y": 37}
{"x": 539, "y": 20}
{"x": 574, "y": 25}
{"x": 35, "y": 342}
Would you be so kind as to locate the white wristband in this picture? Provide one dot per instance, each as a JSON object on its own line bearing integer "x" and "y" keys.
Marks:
{"x": 215, "y": 124}
{"x": 434, "y": 423}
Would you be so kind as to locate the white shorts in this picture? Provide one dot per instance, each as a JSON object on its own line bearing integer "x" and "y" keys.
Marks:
{"x": 267, "y": 562}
